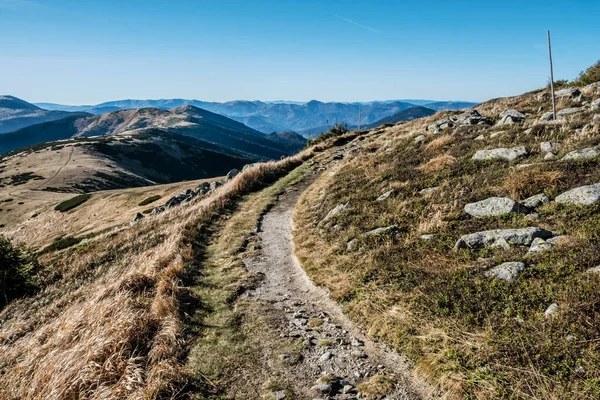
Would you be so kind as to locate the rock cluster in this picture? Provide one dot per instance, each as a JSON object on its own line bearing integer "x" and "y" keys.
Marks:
{"x": 509, "y": 117}
{"x": 503, "y": 238}
{"x": 468, "y": 118}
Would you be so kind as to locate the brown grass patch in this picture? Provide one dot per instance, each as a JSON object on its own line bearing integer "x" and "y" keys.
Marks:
{"x": 440, "y": 143}
{"x": 521, "y": 185}
{"x": 438, "y": 163}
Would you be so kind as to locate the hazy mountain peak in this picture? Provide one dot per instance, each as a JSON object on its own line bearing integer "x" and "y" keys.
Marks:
{"x": 15, "y": 103}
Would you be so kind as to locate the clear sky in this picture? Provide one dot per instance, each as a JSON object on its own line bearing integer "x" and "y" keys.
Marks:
{"x": 90, "y": 51}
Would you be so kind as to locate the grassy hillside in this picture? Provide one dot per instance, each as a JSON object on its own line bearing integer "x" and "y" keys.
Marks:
{"x": 475, "y": 335}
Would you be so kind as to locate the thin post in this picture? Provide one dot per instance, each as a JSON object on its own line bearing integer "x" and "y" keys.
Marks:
{"x": 552, "y": 79}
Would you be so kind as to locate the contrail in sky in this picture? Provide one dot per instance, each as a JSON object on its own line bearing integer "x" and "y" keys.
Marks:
{"x": 355, "y": 23}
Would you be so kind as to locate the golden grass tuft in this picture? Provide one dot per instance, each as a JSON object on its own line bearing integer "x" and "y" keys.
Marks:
{"x": 439, "y": 143}
{"x": 438, "y": 163}
{"x": 523, "y": 184}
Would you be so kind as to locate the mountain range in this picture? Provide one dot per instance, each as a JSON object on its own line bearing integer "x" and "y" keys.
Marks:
{"x": 305, "y": 118}
{"x": 16, "y": 114}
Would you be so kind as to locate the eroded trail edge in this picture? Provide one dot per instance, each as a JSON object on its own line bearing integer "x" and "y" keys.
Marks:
{"x": 331, "y": 358}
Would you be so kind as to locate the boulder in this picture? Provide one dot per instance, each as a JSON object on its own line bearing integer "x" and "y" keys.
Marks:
{"x": 583, "y": 195}
{"x": 569, "y": 111}
{"x": 472, "y": 117}
{"x": 172, "y": 202}
{"x": 549, "y": 147}
{"x": 232, "y": 174}
{"x": 508, "y": 117}
{"x": 352, "y": 245}
{"x": 583, "y": 154}
{"x": 508, "y": 154}
{"x": 420, "y": 138}
{"x": 383, "y": 230}
{"x": 595, "y": 104}
{"x": 427, "y": 191}
{"x": 508, "y": 271}
{"x": 335, "y": 211}
{"x": 157, "y": 210}
{"x": 215, "y": 184}
{"x": 536, "y": 201}
{"x": 502, "y": 238}
{"x": 567, "y": 92}
{"x": 494, "y": 206}
{"x": 549, "y": 156}
{"x": 138, "y": 217}
{"x": 538, "y": 245}
{"x": 551, "y": 310}
{"x": 591, "y": 89}
{"x": 427, "y": 236}
{"x": 480, "y": 137}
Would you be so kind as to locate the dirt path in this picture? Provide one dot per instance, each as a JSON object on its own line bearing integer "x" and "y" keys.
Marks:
{"x": 335, "y": 357}
{"x": 47, "y": 181}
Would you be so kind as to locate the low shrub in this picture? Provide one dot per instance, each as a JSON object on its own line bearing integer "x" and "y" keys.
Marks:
{"x": 19, "y": 270}
{"x": 149, "y": 200}
{"x": 72, "y": 203}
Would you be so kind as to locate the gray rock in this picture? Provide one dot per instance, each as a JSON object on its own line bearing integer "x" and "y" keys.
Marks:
{"x": 336, "y": 210}
{"x": 352, "y": 245}
{"x": 583, "y": 154}
{"x": 138, "y": 217}
{"x": 278, "y": 395}
{"x": 567, "y": 92}
{"x": 595, "y": 105}
{"x": 549, "y": 156}
{"x": 551, "y": 310}
{"x": 557, "y": 240}
{"x": 172, "y": 202}
{"x": 322, "y": 388}
{"x": 157, "y": 210}
{"x": 386, "y": 195}
{"x": 430, "y": 190}
{"x": 480, "y": 137}
{"x": 420, "y": 138}
{"x": 539, "y": 245}
{"x": 358, "y": 354}
{"x": 382, "y": 231}
{"x": 569, "y": 111}
{"x": 496, "y": 134}
{"x": 536, "y": 200}
{"x": 594, "y": 270}
{"x": 325, "y": 357}
{"x": 501, "y": 238}
{"x": 467, "y": 118}
{"x": 542, "y": 96}
{"x": 215, "y": 184}
{"x": 583, "y": 195}
{"x": 509, "y": 117}
{"x": 356, "y": 342}
{"x": 509, "y": 154}
{"x": 248, "y": 166}
{"x": 494, "y": 206}
{"x": 591, "y": 89}
{"x": 232, "y": 174}
{"x": 427, "y": 237}
{"x": 507, "y": 271}
{"x": 549, "y": 147}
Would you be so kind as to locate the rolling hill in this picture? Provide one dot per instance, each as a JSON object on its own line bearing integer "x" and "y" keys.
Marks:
{"x": 304, "y": 118}
{"x": 403, "y": 116}
{"x": 217, "y": 132}
{"x": 16, "y": 114}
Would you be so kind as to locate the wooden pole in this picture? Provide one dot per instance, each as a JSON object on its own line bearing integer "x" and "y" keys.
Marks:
{"x": 552, "y": 79}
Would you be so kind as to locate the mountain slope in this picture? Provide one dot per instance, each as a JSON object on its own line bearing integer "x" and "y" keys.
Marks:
{"x": 403, "y": 116}
{"x": 16, "y": 114}
{"x": 230, "y": 136}
{"x": 449, "y": 105}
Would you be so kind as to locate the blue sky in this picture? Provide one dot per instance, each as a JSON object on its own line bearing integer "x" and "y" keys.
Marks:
{"x": 86, "y": 52}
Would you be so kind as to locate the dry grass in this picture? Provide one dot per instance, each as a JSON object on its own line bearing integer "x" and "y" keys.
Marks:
{"x": 521, "y": 185}
{"x": 439, "y": 143}
{"x": 438, "y": 163}
{"x": 110, "y": 327}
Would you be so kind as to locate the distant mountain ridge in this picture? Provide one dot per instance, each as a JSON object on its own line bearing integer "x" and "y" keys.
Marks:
{"x": 218, "y": 132}
{"x": 404, "y": 116}
{"x": 279, "y": 116}
{"x": 16, "y": 114}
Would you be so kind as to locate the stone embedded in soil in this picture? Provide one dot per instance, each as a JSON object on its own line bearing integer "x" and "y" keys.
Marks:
{"x": 494, "y": 207}
{"x": 335, "y": 211}
{"x": 549, "y": 156}
{"x": 385, "y": 196}
{"x": 549, "y": 147}
{"x": 583, "y": 154}
{"x": 278, "y": 395}
{"x": 507, "y": 271}
{"x": 551, "y": 310}
{"x": 358, "y": 354}
{"x": 322, "y": 388}
{"x": 583, "y": 195}
{"x": 508, "y": 154}
{"x": 383, "y": 230}
{"x": 502, "y": 238}
{"x": 536, "y": 200}
{"x": 508, "y": 117}
{"x": 539, "y": 245}
{"x": 325, "y": 357}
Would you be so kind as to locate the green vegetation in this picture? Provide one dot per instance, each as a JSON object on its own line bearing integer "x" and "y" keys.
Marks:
{"x": 336, "y": 130}
{"x": 590, "y": 75}
{"x": 72, "y": 203}
{"x": 485, "y": 338}
{"x": 149, "y": 200}
{"x": 61, "y": 243}
{"x": 19, "y": 270}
